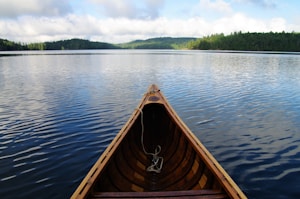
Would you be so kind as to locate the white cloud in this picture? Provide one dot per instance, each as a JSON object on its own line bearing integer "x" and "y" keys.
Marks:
{"x": 278, "y": 24}
{"x": 116, "y": 8}
{"x": 220, "y": 6}
{"x": 127, "y": 20}
{"x": 15, "y": 8}
{"x": 117, "y": 30}
{"x": 145, "y": 9}
{"x": 238, "y": 22}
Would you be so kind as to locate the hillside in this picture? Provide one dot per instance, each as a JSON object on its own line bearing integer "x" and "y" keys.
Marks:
{"x": 72, "y": 44}
{"x": 75, "y": 44}
{"x": 78, "y": 44}
{"x": 159, "y": 43}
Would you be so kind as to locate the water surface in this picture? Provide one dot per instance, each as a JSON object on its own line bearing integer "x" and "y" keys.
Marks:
{"x": 60, "y": 109}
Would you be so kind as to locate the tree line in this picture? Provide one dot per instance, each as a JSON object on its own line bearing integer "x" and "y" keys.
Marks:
{"x": 77, "y": 44}
{"x": 6, "y": 45}
{"x": 289, "y": 42}
{"x": 159, "y": 43}
{"x": 72, "y": 44}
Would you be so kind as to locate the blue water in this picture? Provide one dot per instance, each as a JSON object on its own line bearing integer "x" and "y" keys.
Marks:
{"x": 60, "y": 109}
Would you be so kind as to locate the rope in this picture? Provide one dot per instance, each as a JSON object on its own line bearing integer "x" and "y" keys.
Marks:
{"x": 157, "y": 161}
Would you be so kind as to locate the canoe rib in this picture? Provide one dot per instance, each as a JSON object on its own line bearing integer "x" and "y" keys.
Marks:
{"x": 189, "y": 170}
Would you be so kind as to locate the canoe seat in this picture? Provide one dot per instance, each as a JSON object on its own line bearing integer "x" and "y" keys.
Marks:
{"x": 205, "y": 194}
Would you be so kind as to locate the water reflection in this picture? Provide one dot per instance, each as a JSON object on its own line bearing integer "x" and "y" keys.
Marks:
{"x": 58, "y": 112}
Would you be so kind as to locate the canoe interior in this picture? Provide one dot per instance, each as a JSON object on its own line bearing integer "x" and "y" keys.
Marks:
{"x": 183, "y": 168}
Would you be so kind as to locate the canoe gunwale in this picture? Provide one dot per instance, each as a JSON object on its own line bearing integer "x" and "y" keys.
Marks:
{"x": 90, "y": 179}
{"x": 230, "y": 186}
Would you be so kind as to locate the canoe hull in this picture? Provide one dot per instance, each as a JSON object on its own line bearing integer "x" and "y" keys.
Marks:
{"x": 187, "y": 166}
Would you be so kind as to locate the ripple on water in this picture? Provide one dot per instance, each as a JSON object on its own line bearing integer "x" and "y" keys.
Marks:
{"x": 57, "y": 139}
{"x": 58, "y": 114}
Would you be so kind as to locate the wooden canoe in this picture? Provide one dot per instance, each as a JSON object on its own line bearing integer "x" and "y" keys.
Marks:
{"x": 155, "y": 155}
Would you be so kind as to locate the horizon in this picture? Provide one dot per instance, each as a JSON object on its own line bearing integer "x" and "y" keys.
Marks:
{"x": 113, "y": 21}
{"x": 179, "y": 37}
{"x": 102, "y": 41}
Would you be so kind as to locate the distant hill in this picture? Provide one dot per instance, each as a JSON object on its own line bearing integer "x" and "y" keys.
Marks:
{"x": 78, "y": 44}
{"x": 72, "y": 44}
{"x": 235, "y": 41}
{"x": 159, "y": 43}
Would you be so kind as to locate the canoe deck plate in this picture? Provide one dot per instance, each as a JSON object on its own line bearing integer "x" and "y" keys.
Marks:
{"x": 153, "y": 98}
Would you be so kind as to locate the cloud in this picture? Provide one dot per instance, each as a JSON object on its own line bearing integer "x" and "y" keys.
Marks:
{"x": 117, "y": 30}
{"x": 239, "y": 22}
{"x": 153, "y": 7}
{"x": 270, "y": 4}
{"x": 212, "y": 9}
{"x": 142, "y": 9}
{"x": 127, "y": 20}
{"x": 219, "y": 6}
{"x": 15, "y": 8}
{"x": 116, "y": 8}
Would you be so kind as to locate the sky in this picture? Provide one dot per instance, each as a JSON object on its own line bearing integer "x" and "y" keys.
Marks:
{"x": 118, "y": 21}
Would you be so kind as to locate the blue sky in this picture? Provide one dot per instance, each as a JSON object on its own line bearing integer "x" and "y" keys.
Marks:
{"x": 119, "y": 21}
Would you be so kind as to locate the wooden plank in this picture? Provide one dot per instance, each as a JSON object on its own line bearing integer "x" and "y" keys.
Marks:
{"x": 209, "y": 194}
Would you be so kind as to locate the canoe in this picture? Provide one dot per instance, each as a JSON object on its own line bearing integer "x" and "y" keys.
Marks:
{"x": 155, "y": 155}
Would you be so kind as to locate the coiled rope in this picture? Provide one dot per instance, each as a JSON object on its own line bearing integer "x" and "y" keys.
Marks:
{"x": 157, "y": 161}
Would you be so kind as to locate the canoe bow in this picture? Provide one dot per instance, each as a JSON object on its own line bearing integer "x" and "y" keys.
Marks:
{"x": 189, "y": 169}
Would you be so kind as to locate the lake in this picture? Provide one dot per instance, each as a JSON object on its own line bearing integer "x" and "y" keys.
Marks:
{"x": 60, "y": 109}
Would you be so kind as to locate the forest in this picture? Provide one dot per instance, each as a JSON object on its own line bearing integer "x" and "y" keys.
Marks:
{"x": 289, "y": 42}
{"x": 159, "y": 43}
{"x": 72, "y": 44}
{"x": 79, "y": 44}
